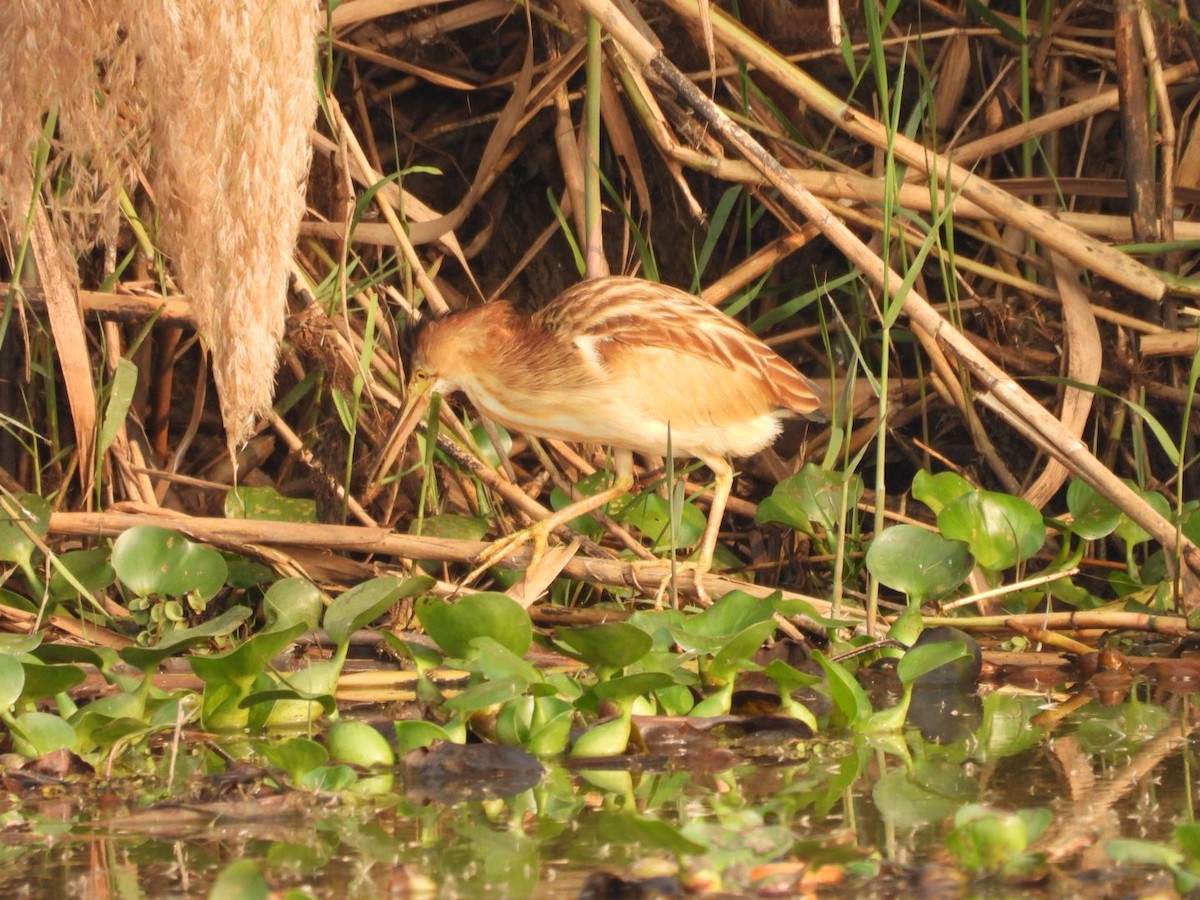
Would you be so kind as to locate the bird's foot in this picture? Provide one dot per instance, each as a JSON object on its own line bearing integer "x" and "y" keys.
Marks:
{"x": 502, "y": 548}
{"x": 697, "y": 569}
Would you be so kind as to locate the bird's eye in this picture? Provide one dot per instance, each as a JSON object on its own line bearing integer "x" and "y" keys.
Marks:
{"x": 419, "y": 375}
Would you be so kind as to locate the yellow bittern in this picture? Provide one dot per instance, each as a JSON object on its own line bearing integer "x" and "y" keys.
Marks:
{"x": 627, "y": 363}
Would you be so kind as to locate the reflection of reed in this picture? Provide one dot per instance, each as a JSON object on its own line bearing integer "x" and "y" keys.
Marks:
{"x": 1087, "y": 816}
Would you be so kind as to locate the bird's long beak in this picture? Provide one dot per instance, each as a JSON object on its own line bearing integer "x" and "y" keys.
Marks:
{"x": 416, "y": 404}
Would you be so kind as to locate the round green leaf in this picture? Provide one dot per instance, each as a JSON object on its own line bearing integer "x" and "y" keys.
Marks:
{"x": 613, "y": 645}
{"x": 42, "y": 681}
{"x": 266, "y": 502}
{"x": 414, "y": 733}
{"x": 153, "y": 561}
{"x": 921, "y": 564}
{"x": 811, "y": 497}
{"x": 454, "y": 625}
{"x": 242, "y": 880}
{"x": 292, "y": 600}
{"x": 1092, "y": 516}
{"x": 1130, "y": 531}
{"x": 359, "y": 744}
{"x": 36, "y": 733}
{"x": 459, "y": 528}
{"x": 89, "y": 567}
{"x": 17, "y": 510}
{"x": 12, "y": 680}
{"x": 940, "y": 490}
{"x": 365, "y": 602}
{"x": 650, "y": 514}
{"x": 586, "y": 487}
{"x": 1000, "y": 530}
{"x": 628, "y": 687}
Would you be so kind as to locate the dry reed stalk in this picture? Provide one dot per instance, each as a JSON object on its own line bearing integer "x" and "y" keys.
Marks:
{"x": 225, "y": 89}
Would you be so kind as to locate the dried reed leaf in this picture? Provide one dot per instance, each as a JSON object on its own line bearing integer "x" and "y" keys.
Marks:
{"x": 66, "y": 323}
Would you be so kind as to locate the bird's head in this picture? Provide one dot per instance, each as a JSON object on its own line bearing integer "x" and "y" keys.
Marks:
{"x": 446, "y": 352}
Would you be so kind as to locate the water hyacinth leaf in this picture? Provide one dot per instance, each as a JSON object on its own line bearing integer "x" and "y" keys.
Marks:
{"x": 940, "y": 490}
{"x": 455, "y": 527}
{"x": 42, "y": 681}
{"x": 365, "y": 602}
{"x": 919, "y": 563}
{"x": 791, "y": 606}
{"x": 1188, "y": 838}
{"x": 926, "y": 658}
{"x": 246, "y": 662}
{"x": 495, "y": 661}
{"x": 1092, "y": 515}
{"x": 960, "y": 673}
{"x": 146, "y": 658}
{"x": 906, "y": 802}
{"x": 16, "y": 644}
{"x": 242, "y": 879}
{"x": 988, "y": 840}
{"x": 1134, "y": 852}
{"x": 246, "y": 573}
{"x": 265, "y": 502}
{"x": 610, "y": 738}
{"x": 1007, "y": 729}
{"x": 733, "y": 613}
{"x": 811, "y": 497}
{"x": 1000, "y": 530}
{"x": 19, "y": 514}
{"x": 328, "y": 779}
{"x": 90, "y": 568}
{"x": 299, "y": 700}
{"x": 631, "y": 829}
{"x": 846, "y": 693}
{"x": 586, "y": 487}
{"x": 36, "y": 734}
{"x": 607, "y": 647}
{"x": 486, "y": 694}
{"x": 358, "y": 744}
{"x": 412, "y": 734}
{"x": 1130, "y": 531}
{"x": 734, "y": 657}
{"x": 651, "y": 515}
{"x": 454, "y": 625}
{"x": 157, "y": 562}
{"x": 628, "y": 687}
{"x": 290, "y": 601}
{"x": 12, "y": 680}
{"x": 16, "y": 601}
{"x": 296, "y": 756}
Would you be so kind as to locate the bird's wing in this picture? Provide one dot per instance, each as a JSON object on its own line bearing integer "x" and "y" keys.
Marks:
{"x": 606, "y": 316}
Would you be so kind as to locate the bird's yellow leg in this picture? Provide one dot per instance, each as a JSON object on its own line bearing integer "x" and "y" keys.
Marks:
{"x": 699, "y": 567}
{"x": 539, "y": 532}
